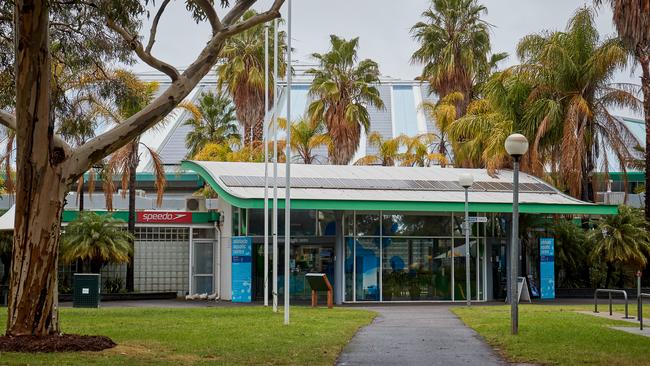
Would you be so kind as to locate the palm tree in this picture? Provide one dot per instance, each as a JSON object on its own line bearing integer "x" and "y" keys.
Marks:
{"x": 454, "y": 48}
{"x": 422, "y": 150}
{"x": 306, "y": 136}
{"x": 443, "y": 113}
{"x": 572, "y": 74}
{"x": 241, "y": 72}
{"x": 621, "y": 240}
{"x": 632, "y": 20}
{"x": 388, "y": 150}
{"x": 96, "y": 239}
{"x": 480, "y": 134}
{"x": 213, "y": 120}
{"x": 135, "y": 96}
{"x": 342, "y": 88}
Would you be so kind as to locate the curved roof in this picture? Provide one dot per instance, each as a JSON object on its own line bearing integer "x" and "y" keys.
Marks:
{"x": 387, "y": 188}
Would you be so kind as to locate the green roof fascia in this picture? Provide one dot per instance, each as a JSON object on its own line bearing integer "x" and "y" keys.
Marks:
{"x": 170, "y": 176}
{"x": 588, "y": 209}
{"x": 631, "y": 176}
{"x": 197, "y": 217}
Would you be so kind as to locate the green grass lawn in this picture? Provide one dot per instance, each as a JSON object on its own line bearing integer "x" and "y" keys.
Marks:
{"x": 205, "y": 336}
{"x": 558, "y": 335}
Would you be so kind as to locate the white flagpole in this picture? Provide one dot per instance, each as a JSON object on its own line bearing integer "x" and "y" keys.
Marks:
{"x": 276, "y": 97}
{"x": 287, "y": 194}
{"x": 266, "y": 166}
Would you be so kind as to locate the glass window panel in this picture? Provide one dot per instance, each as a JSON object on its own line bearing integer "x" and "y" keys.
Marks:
{"x": 460, "y": 269}
{"x": 367, "y": 224}
{"x": 408, "y": 269}
{"x": 367, "y": 269}
{"x": 203, "y": 233}
{"x": 416, "y": 225}
{"x": 303, "y": 222}
{"x": 349, "y": 268}
{"x": 348, "y": 224}
{"x": 326, "y": 223}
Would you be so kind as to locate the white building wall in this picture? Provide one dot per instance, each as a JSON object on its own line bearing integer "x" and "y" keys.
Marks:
{"x": 225, "y": 267}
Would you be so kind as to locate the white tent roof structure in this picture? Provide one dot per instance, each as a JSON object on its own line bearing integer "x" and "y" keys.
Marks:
{"x": 7, "y": 220}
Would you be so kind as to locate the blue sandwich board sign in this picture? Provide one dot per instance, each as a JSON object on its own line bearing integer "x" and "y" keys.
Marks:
{"x": 547, "y": 267}
{"x": 242, "y": 269}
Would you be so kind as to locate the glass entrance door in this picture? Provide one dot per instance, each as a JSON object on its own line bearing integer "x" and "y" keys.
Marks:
{"x": 203, "y": 267}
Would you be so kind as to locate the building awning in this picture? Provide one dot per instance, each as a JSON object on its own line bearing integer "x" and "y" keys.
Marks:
{"x": 7, "y": 219}
{"x": 347, "y": 187}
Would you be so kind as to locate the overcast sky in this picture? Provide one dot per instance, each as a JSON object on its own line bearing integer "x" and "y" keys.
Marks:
{"x": 382, "y": 25}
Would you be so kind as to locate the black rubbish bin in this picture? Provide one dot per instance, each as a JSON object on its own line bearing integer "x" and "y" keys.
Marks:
{"x": 86, "y": 290}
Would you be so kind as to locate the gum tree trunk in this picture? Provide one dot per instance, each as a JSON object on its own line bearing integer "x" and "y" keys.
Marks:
{"x": 32, "y": 307}
{"x": 135, "y": 161}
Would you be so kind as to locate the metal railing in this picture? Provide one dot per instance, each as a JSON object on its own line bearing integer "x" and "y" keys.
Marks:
{"x": 610, "y": 292}
{"x": 640, "y": 297}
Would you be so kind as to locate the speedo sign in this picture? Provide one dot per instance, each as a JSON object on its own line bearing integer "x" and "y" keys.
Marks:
{"x": 164, "y": 217}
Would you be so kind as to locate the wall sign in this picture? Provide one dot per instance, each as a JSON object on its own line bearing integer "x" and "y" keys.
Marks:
{"x": 547, "y": 267}
{"x": 242, "y": 270}
{"x": 164, "y": 217}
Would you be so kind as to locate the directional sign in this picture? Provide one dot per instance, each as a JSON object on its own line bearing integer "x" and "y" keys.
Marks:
{"x": 475, "y": 219}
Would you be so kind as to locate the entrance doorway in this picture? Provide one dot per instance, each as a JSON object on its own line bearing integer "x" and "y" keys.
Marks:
{"x": 202, "y": 266}
{"x": 310, "y": 257}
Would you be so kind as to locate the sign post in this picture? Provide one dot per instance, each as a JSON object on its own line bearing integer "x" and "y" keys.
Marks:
{"x": 242, "y": 250}
{"x": 547, "y": 267}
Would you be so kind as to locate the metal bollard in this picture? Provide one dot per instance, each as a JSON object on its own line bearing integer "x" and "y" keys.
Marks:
{"x": 610, "y": 303}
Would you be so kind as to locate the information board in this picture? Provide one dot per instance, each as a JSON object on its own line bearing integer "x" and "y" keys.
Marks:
{"x": 242, "y": 270}
{"x": 547, "y": 267}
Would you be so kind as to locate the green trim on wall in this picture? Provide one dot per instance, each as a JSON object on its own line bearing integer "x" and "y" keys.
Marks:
{"x": 588, "y": 209}
{"x": 197, "y": 217}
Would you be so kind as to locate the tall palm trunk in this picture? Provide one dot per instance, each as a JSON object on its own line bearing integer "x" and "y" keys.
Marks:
{"x": 135, "y": 160}
{"x": 644, "y": 60}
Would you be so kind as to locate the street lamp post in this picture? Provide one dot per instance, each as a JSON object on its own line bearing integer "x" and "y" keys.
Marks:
{"x": 466, "y": 180}
{"x": 516, "y": 145}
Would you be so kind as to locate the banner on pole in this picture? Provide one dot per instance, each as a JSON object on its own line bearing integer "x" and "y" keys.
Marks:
{"x": 547, "y": 267}
{"x": 242, "y": 270}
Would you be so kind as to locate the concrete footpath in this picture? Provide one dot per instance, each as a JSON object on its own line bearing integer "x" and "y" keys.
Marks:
{"x": 417, "y": 335}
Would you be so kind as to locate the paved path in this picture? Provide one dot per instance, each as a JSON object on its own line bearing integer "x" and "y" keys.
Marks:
{"x": 417, "y": 335}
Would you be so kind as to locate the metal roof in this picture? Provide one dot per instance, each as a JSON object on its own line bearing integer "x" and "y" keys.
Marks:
{"x": 388, "y": 188}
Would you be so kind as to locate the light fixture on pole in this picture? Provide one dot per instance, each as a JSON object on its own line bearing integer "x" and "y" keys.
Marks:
{"x": 466, "y": 180}
{"x": 516, "y": 145}
{"x": 287, "y": 195}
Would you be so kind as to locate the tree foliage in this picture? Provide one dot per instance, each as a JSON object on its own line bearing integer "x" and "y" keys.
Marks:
{"x": 212, "y": 121}
{"x": 342, "y": 89}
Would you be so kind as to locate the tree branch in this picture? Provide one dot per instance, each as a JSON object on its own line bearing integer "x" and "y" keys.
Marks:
{"x": 154, "y": 26}
{"x": 111, "y": 140}
{"x": 8, "y": 120}
{"x": 211, "y": 14}
{"x": 136, "y": 45}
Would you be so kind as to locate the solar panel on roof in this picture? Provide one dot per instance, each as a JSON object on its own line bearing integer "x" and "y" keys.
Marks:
{"x": 382, "y": 184}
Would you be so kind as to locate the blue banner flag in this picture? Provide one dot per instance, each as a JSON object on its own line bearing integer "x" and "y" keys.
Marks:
{"x": 547, "y": 267}
{"x": 242, "y": 270}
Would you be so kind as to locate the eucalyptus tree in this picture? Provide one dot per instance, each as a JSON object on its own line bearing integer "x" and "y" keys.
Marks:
{"x": 632, "y": 20}
{"x": 569, "y": 106}
{"x": 241, "y": 73}
{"x": 454, "y": 47}
{"x": 213, "y": 120}
{"x": 342, "y": 89}
{"x": 80, "y": 32}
